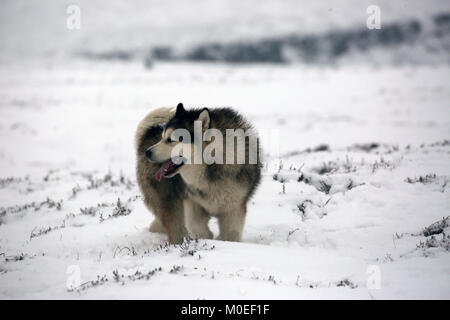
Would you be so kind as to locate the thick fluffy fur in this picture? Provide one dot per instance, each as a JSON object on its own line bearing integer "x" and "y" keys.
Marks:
{"x": 165, "y": 198}
{"x": 198, "y": 191}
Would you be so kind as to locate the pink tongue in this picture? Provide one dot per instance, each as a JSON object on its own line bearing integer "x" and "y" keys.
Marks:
{"x": 160, "y": 173}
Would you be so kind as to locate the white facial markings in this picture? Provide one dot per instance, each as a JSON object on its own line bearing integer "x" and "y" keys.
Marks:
{"x": 167, "y": 133}
{"x": 174, "y": 137}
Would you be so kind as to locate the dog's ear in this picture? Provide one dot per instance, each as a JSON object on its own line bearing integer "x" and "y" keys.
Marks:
{"x": 180, "y": 109}
{"x": 204, "y": 118}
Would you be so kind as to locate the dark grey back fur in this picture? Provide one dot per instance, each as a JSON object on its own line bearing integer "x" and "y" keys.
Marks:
{"x": 222, "y": 119}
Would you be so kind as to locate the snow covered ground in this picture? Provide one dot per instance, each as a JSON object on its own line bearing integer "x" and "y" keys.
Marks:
{"x": 360, "y": 169}
{"x": 355, "y": 195}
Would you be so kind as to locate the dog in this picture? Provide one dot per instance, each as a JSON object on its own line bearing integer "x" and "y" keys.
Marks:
{"x": 183, "y": 193}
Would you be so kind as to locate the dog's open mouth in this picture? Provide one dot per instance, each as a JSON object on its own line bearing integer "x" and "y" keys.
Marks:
{"x": 168, "y": 168}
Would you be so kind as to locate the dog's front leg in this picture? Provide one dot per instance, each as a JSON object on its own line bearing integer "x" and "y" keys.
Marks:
{"x": 173, "y": 222}
{"x": 197, "y": 220}
{"x": 231, "y": 224}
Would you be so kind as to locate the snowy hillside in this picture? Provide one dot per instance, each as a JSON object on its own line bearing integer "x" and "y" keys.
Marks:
{"x": 363, "y": 171}
{"x": 354, "y": 201}
{"x": 130, "y": 29}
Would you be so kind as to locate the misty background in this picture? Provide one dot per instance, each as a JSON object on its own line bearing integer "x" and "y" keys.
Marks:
{"x": 247, "y": 31}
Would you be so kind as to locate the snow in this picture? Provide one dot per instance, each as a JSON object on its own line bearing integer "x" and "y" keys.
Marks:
{"x": 357, "y": 152}
{"x": 322, "y": 220}
{"x": 138, "y": 24}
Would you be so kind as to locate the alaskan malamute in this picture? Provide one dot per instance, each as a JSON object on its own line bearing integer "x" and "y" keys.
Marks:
{"x": 183, "y": 191}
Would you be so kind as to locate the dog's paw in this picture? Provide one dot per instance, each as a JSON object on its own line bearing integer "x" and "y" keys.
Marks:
{"x": 157, "y": 227}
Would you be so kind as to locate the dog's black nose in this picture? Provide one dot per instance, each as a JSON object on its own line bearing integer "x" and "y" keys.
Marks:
{"x": 148, "y": 153}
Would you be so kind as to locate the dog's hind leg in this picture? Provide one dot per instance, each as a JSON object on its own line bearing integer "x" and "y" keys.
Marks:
{"x": 197, "y": 220}
{"x": 231, "y": 224}
{"x": 157, "y": 226}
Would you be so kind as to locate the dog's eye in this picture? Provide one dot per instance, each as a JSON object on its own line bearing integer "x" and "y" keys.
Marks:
{"x": 170, "y": 140}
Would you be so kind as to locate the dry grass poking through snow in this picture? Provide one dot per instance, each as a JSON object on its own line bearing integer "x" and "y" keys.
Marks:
{"x": 317, "y": 207}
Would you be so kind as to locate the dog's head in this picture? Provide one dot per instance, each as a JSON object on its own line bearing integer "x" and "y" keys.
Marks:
{"x": 176, "y": 147}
